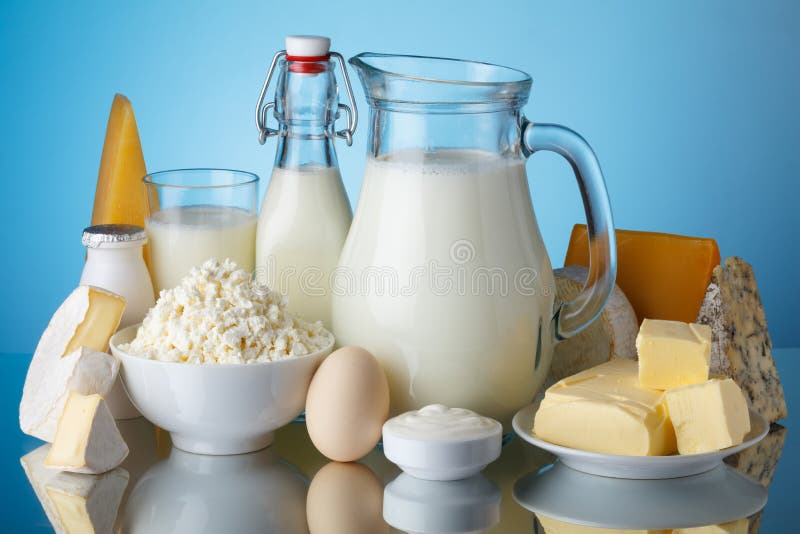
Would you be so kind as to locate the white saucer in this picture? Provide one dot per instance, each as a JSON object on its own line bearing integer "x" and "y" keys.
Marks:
{"x": 636, "y": 467}
{"x": 717, "y": 496}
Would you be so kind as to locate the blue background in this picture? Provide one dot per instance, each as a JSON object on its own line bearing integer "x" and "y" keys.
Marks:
{"x": 691, "y": 106}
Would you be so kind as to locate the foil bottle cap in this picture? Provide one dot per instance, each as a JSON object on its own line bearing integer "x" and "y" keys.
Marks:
{"x": 95, "y": 236}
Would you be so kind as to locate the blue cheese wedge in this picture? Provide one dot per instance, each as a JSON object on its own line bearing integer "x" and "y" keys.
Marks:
{"x": 761, "y": 460}
{"x": 741, "y": 347}
{"x": 70, "y": 356}
{"x": 87, "y": 440}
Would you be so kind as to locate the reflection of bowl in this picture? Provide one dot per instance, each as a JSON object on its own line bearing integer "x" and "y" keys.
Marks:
{"x": 466, "y": 505}
{"x": 717, "y": 496}
{"x": 196, "y": 494}
{"x": 217, "y": 408}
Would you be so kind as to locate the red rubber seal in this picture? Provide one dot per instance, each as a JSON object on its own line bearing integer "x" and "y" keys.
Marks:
{"x": 307, "y": 64}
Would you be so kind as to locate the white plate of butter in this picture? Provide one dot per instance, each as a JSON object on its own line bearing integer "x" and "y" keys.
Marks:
{"x": 636, "y": 467}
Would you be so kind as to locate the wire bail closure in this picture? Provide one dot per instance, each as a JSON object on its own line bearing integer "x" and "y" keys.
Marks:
{"x": 262, "y": 109}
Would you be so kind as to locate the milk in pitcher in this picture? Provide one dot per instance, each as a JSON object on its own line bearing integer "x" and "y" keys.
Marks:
{"x": 469, "y": 293}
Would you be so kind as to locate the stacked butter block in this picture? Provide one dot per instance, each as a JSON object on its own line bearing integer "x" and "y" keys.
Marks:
{"x": 708, "y": 414}
{"x": 665, "y": 403}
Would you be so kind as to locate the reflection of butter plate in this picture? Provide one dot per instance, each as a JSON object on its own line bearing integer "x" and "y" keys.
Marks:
{"x": 636, "y": 467}
{"x": 717, "y": 496}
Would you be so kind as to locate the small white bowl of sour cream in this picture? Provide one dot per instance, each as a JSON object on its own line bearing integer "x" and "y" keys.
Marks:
{"x": 441, "y": 443}
{"x": 217, "y": 408}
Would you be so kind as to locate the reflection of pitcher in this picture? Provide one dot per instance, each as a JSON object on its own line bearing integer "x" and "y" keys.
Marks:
{"x": 444, "y": 275}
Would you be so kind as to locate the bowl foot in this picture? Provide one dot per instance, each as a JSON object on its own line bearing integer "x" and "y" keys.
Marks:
{"x": 220, "y": 446}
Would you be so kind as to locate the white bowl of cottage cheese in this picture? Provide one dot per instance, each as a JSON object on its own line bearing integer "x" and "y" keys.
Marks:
{"x": 218, "y": 362}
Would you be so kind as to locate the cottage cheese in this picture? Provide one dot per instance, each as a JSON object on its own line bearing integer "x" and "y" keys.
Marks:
{"x": 218, "y": 315}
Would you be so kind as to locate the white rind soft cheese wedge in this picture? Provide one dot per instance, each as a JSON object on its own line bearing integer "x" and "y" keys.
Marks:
{"x": 86, "y": 503}
{"x": 85, "y": 371}
{"x": 88, "y": 440}
{"x": 70, "y": 356}
{"x": 39, "y": 476}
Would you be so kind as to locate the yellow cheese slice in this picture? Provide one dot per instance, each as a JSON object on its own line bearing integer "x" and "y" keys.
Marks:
{"x": 665, "y": 276}
{"x": 120, "y": 194}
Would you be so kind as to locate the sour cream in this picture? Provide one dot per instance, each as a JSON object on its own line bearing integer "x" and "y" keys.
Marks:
{"x": 441, "y": 443}
{"x": 437, "y": 421}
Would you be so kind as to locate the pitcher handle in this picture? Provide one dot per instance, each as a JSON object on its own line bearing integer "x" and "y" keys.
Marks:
{"x": 573, "y": 316}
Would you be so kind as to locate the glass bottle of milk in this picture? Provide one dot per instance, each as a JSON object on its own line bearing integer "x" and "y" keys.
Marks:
{"x": 305, "y": 214}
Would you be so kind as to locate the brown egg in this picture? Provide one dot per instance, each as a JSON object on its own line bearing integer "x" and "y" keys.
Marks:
{"x": 347, "y": 404}
{"x": 345, "y": 498}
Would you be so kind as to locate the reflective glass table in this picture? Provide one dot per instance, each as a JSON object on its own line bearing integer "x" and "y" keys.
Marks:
{"x": 290, "y": 487}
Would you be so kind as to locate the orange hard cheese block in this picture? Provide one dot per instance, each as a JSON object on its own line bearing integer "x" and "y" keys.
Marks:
{"x": 120, "y": 195}
{"x": 664, "y": 276}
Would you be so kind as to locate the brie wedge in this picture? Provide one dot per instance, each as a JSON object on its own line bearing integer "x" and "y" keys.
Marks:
{"x": 70, "y": 357}
{"x": 86, "y": 503}
{"x": 38, "y": 477}
{"x": 87, "y": 440}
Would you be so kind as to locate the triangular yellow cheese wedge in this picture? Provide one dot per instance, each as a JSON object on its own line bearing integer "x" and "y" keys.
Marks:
{"x": 120, "y": 195}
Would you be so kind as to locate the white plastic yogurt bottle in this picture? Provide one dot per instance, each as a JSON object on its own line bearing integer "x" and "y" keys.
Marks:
{"x": 115, "y": 262}
{"x": 305, "y": 215}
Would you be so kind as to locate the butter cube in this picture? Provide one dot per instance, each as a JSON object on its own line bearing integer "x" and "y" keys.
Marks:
{"x": 708, "y": 417}
{"x": 604, "y": 409}
{"x": 672, "y": 353}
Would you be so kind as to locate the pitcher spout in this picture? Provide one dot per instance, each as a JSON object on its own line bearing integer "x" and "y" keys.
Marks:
{"x": 439, "y": 85}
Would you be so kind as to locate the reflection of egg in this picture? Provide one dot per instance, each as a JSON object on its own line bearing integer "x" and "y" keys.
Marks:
{"x": 345, "y": 498}
{"x": 347, "y": 404}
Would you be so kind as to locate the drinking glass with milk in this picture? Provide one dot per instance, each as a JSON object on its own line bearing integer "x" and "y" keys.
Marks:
{"x": 305, "y": 214}
{"x": 198, "y": 214}
{"x": 444, "y": 276}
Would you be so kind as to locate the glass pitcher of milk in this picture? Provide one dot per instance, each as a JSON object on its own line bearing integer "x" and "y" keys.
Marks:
{"x": 444, "y": 276}
{"x": 305, "y": 214}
